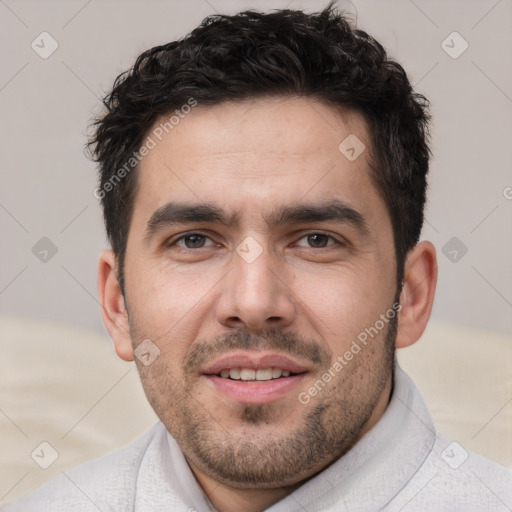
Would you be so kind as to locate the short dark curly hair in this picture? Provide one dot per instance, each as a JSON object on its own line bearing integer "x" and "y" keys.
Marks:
{"x": 282, "y": 53}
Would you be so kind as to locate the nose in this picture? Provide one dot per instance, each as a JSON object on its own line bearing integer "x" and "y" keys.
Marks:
{"x": 255, "y": 295}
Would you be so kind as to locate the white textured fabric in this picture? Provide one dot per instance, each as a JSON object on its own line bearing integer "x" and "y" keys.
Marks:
{"x": 401, "y": 464}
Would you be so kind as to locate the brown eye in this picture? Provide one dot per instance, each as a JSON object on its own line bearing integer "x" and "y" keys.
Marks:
{"x": 193, "y": 241}
{"x": 317, "y": 241}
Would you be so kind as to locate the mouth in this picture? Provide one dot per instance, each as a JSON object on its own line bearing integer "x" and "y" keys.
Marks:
{"x": 254, "y": 378}
{"x": 250, "y": 375}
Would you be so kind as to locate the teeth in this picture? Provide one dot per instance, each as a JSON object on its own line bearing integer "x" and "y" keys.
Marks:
{"x": 246, "y": 374}
{"x": 249, "y": 374}
{"x": 234, "y": 373}
{"x": 264, "y": 374}
{"x": 276, "y": 373}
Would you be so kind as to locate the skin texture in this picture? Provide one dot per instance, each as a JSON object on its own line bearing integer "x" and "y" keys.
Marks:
{"x": 305, "y": 297}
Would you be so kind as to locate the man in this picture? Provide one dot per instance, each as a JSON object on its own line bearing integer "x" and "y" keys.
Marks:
{"x": 263, "y": 183}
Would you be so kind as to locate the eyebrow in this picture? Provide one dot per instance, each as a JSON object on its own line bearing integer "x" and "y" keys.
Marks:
{"x": 335, "y": 210}
{"x": 172, "y": 214}
{"x": 185, "y": 213}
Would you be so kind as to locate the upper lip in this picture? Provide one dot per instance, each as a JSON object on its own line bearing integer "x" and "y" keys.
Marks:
{"x": 253, "y": 361}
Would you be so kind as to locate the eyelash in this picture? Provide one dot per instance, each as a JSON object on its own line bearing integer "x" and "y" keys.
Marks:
{"x": 193, "y": 233}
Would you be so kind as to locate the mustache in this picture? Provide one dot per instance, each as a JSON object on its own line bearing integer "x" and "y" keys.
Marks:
{"x": 204, "y": 351}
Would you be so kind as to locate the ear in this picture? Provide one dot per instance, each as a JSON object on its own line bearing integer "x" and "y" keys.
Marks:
{"x": 417, "y": 295}
{"x": 113, "y": 309}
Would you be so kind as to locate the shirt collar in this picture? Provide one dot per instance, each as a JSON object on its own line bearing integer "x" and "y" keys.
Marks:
{"x": 379, "y": 465}
{"x": 366, "y": 478}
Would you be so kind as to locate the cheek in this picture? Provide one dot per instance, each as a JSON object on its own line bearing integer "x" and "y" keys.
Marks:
{"x": 343, "y": 303}
{"x": 165, "y": 303}
{"x": 167, "y": 292}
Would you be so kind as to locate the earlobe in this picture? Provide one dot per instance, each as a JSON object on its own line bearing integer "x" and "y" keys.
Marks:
{"x": 417, "y": 296}
{"x": 113, "y": 310}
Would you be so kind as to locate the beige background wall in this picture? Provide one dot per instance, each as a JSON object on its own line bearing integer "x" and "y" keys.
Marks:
{"x": 47, "y": 183}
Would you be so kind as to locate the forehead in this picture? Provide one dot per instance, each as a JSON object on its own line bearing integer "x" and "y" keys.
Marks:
{"x": 257, "y": 155}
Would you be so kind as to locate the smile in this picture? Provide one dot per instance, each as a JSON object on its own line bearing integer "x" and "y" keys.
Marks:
{"x": 249, "y": 377}
{"x": 248, "y": 374}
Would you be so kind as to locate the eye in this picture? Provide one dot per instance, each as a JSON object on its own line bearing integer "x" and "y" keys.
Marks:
{"x": 316, "y": 241}
{"x": 193, "y": 241}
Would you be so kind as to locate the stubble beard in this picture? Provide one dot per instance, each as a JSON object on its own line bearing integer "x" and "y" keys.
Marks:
{"x": 256, "y": 456}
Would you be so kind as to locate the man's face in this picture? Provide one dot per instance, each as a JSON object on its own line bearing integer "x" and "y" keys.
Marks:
{"x": 258, "y": 250}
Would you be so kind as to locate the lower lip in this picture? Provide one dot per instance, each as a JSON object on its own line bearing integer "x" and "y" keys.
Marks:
{"x": 255, "y": 392}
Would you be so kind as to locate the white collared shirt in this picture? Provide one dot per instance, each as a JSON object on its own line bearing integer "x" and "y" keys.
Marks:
{"x": 401, "y": 464}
